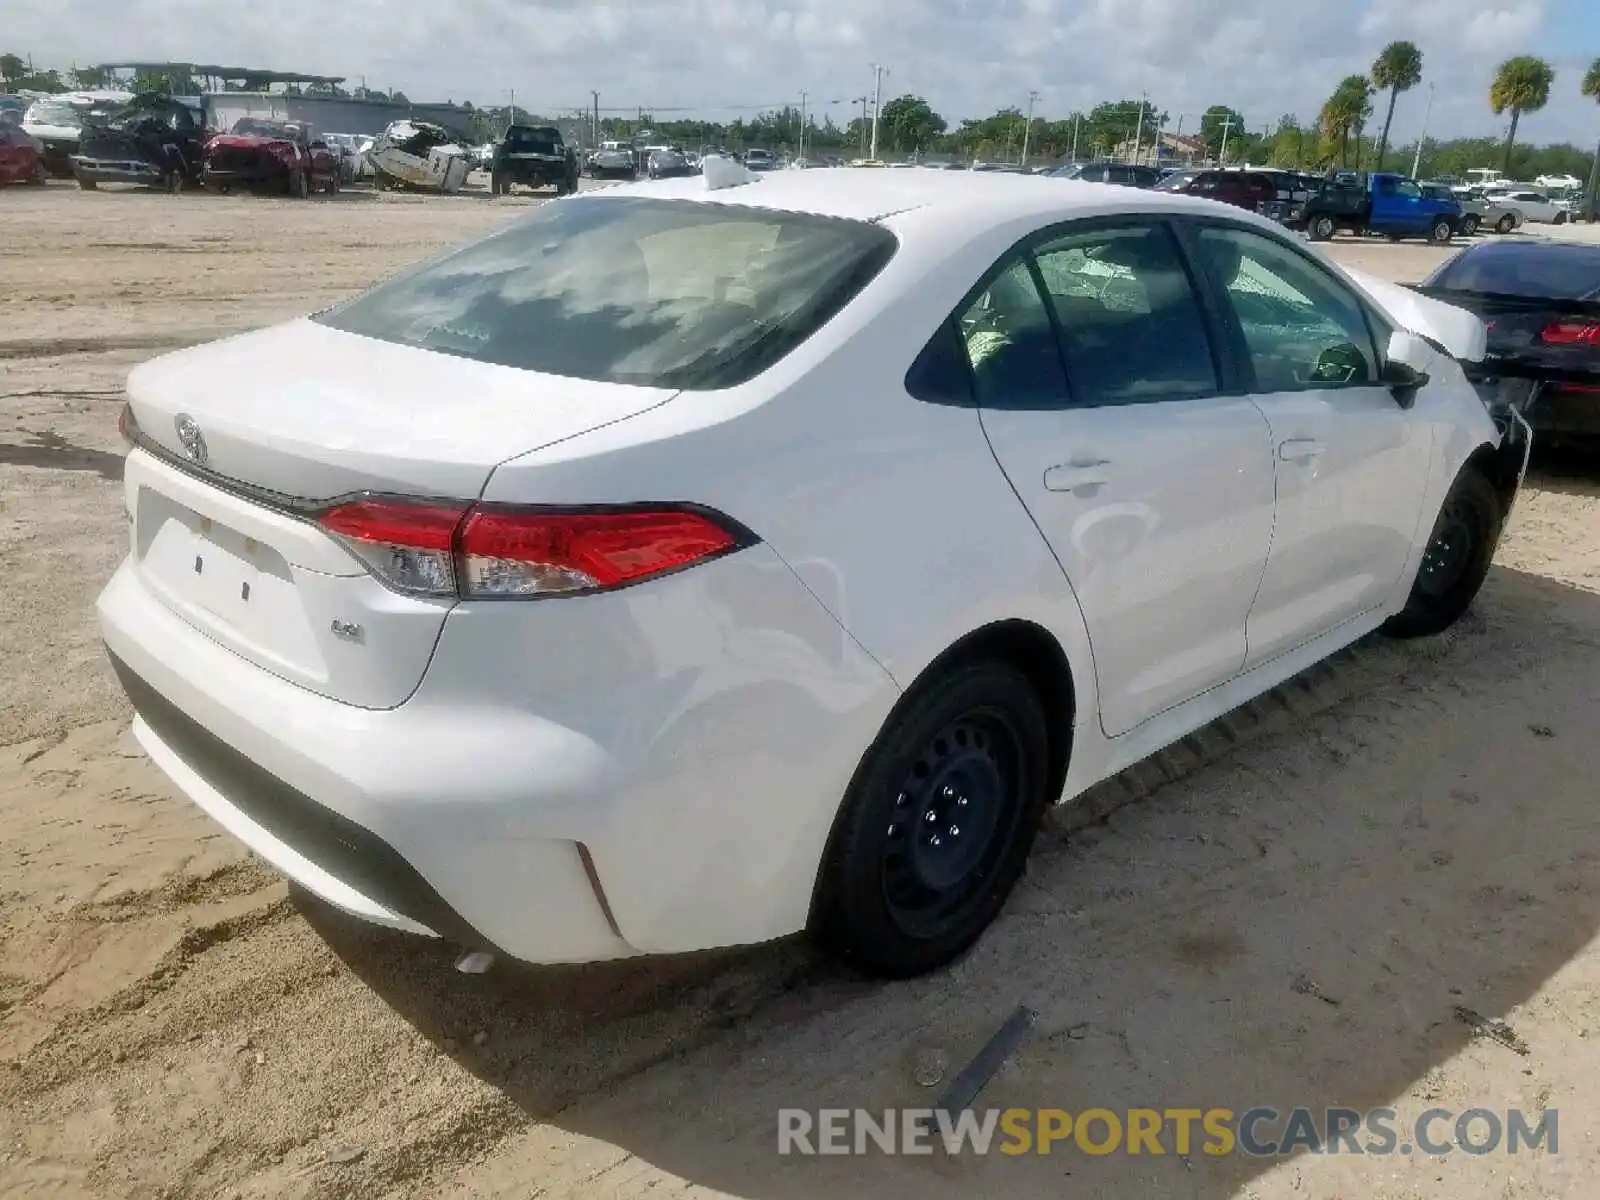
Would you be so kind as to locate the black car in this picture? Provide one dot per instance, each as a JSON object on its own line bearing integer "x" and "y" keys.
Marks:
{"x": 612, "y": 163}
{"x": 1125, "y": 174}
{"x": 1541, "y": 304}
{"x": 534, "y": 156}
{"x": 668, "y": 164}
{"x": 153, "y": 139}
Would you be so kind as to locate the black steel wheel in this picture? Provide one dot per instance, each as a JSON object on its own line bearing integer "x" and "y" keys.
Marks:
{"x": 1455, "y": 561}
{"x": 937, "y": 824}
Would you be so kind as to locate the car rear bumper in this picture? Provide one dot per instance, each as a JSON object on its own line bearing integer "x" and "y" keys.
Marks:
{"x": 674, "y": 793}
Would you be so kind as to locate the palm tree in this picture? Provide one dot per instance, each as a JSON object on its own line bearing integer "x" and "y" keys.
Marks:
{"x": 1348, "y": 108}
{"x": 1522, "y": 84}
{"x": 1398, "y": 68}
{"x": 1591, "y": 89}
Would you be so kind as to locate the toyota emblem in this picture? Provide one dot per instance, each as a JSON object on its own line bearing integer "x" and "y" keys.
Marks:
{"x": 193, "y": 441}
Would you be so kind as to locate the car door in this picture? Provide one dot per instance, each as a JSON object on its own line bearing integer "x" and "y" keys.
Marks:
{"x": 1352, "y": 463}
{"x": 1102, "y": 393}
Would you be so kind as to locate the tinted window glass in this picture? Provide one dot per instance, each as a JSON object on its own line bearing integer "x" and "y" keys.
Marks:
{"x": 1557, "y": 271}
{"x": 1303, "y": 329}
{"x": 653, "y": 292}
{"x": 1131, "y": 325}
{"x": 1011, "y": 346}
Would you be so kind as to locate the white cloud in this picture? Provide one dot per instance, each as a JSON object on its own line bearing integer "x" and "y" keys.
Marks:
{"x": 967, "y": 57}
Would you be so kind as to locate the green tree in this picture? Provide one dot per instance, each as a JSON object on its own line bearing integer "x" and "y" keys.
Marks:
{"x": 87, "y": 78}
{"x": 1591, "y": 81}
{"x": 1521, "y": 85}
{"x": 12, "y": 67}
{"x": 1346, "y": 112}
{"x": 1288, "y": 143}
{"x": 1399, "y": 69}
{"x": 910, "y": 123}
{"x": 1220, "y": 127}
{"x": 1111, "y": 124}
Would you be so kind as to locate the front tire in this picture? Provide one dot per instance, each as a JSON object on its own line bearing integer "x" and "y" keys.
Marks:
{"x": 937, "y": 823}
{"x": 87, "y": 184}
{"x": 1322, "y": 228}
{"x": 1440, "y": 233}
{"x": 1505, "y": 224}
{"x": 1469, "y": 226}
{"x": 300, "y": 185}
{"x": 1456, "y": 561}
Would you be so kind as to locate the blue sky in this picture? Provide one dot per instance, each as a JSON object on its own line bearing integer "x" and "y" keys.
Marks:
{"x": 967, "y": 57}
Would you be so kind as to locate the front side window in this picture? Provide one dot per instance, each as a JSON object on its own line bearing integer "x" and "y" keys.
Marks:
{"x": 658, "y": 293}
{"x": 1301, "y": 327}
{"x": 1132, "y": 329}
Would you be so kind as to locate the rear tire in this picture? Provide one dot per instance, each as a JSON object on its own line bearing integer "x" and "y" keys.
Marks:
{"x": 1469, "y": 226}
{"x": 1456, "y": 561}
{"x": 39, "y": 176}
{"x": 937, "y": 823}
{"x": 87, "y": 184}
{"x": 299, "y": 185}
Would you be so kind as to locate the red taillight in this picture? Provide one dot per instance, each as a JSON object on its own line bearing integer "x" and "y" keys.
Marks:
{"x": 1571, "y": 333}
{"x": 480, "y": 552}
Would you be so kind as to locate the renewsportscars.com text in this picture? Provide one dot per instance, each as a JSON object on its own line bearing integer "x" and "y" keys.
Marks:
{"x": 1258, "y": 1132}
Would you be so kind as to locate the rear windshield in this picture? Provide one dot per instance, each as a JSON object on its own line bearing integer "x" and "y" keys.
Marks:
{"x": 657, "y": 293}
{"x": 534, "y": 140}
{"x": 1557, "y": 272}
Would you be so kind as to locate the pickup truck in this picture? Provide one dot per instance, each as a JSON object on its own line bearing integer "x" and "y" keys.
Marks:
{"x": 1379, "y": 202}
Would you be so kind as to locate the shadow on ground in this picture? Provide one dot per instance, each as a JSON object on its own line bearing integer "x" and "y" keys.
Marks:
{"x": 55, "y": 453}
{"x": 1285, "y": 912}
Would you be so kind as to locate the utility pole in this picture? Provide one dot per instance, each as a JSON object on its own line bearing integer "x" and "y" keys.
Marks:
{"x": 1076, "y": 117}
{"x": 878, "y": 72}
{"x": 1138, "y": 129}
{"x": 511, "y": 115}
{"x": 802, "y": 154}
{"x": 1222, "y": 154}
{"x": 1416, "y": 159}
{"x": 1027, "y": 127}
{"x": 863, "y": 101}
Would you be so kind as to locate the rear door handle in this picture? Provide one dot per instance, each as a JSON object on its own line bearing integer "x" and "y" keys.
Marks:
{"x": 1069, "y": 477}
{"x": 1300, "y": 450}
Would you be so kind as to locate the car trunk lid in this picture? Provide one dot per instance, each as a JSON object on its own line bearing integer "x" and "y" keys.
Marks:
{"x": 248, "y": 439}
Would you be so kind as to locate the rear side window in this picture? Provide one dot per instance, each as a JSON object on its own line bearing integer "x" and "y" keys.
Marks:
{"x": 1132, "y": 329}
{"x": 1011, "y": 345}
{"x": 656, "y": 293}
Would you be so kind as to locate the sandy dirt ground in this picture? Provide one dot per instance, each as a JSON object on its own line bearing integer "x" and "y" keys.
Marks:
{"x": 1289, "y": 910}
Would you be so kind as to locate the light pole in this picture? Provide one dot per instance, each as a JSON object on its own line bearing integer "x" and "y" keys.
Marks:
{"x": 1027, "y": 127}
{"x": 1222, "y": 152}
{"x": 1416, "y": 159}
{"x": 1138, "y": 129}
{"x": 802, "y": 154}
{"x": 878, "y": 72}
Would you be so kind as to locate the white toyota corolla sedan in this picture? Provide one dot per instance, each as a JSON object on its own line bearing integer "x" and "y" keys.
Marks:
{"x": 688, "y": 564}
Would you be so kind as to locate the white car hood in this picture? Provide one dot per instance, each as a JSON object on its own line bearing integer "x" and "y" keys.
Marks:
{"x": 1456, "y": 329}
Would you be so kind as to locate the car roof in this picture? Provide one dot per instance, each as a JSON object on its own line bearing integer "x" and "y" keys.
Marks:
{"x": 863, "y": 195}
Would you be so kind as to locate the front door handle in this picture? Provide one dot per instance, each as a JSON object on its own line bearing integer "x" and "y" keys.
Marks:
{"x": 1069, "y": 477}
{"x": 1300, "y": 450}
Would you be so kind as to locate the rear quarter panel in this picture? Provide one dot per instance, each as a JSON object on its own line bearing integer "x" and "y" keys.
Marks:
{"x": 892, "y": 511}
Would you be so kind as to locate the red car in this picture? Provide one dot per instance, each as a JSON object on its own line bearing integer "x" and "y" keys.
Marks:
{"x": 20, "y": 161}
{"x": 1243, "y": 189}
{"x": 285, "y": 156}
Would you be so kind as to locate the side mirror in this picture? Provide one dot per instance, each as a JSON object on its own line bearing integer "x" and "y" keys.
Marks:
{"x": 1406, "y": 364}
